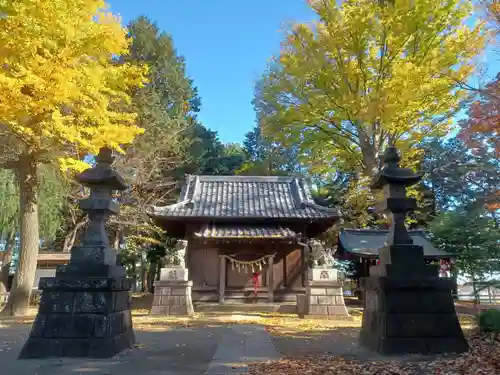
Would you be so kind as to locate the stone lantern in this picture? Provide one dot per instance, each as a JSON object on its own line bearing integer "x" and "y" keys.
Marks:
{"x": 85, "y": 309}
{"x": 407, "y": 307}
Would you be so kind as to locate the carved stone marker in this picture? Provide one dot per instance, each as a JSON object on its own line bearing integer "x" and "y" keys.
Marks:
{"x": 407, "y": 307}
{"x": 324, "y": 297}
{"x": 323, "y": 274}
{"x": 85, "y": 309}
{"x": 172, "y": 295}
{"x": 174, "y": 273}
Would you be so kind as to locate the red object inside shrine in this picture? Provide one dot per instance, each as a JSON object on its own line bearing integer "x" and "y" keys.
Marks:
{"x": 255, "y": 282}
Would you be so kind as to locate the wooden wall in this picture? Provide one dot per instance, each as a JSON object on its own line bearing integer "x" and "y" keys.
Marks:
{"x": 203, "y": 265}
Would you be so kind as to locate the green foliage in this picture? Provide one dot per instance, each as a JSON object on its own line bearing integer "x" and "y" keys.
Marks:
{"x": 255, "y": 145}
{"x": 232, "y": 159}
{"x": 456, "y": 176}
{"x": 165, "y": 107}
{"x": 470, "y": 233}
{"x": 202, "y": 151}
{"x": 267, "y": 157}
{"x": 444, "y": 165}
{"x": 489, "y": 321}
{"x": 54, "y": 190}
{"x": 52, "y": 195}
{"x": 167, "y": 70}
{"x": 350, "y": 193}
{"x": 9, "y": 202}
{"x": 206, "y": 154}
{"x": 365, "y": 75}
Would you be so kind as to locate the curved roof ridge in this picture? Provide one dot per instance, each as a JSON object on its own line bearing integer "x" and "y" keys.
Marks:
{"x": 375, "y": 230}
{"x": 246, "y": 197}
{"x": 205, "y": 177}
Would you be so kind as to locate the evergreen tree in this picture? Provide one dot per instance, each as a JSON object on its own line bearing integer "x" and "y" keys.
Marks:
{"x": 269, "y": 157}
{"x": 470, "y": 233}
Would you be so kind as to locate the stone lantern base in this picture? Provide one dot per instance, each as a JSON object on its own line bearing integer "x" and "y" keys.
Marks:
{"x": 410, "y": 309}
{"x": 81, "y": 317}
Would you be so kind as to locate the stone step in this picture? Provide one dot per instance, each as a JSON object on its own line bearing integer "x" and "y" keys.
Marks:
{"x": 234, "y": 306}
{"x": 261, "y": 296}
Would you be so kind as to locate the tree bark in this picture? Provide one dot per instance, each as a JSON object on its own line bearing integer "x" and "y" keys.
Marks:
{"x": 6, "y": 261}
{"x": 134, "y": 275}
{"x": 144, "y": 281}
{"x": 70, "y": 238}
{"x": 158, "y": 270}
{"x": 29, "y": 241}
{"x": 369, "y": 153}
{"x": 153, "y": 269}
{"x": 116, "y": 239}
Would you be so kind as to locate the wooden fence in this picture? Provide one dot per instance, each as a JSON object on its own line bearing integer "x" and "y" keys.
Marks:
{"x": 483, "y": 298}
{"x": 34, "y": 298}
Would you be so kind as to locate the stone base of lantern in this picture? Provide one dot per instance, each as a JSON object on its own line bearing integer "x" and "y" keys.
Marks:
{"x": 408, "y": 309}
{"x": 81, "y": 317}
{"x": 172, "y": 297}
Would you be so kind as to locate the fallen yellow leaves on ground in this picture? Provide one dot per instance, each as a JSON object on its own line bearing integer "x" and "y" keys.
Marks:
{"x": 482, "y": 359}
{"x": 276, "y": 323}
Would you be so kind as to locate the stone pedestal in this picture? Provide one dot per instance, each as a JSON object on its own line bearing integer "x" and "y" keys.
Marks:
{"x": 81, "y": 317}
{"x": 324, "y": 297}
{"x": 172, "y": 297}
{"x": 85, "y": 309}
{"x": 410, "y": 310}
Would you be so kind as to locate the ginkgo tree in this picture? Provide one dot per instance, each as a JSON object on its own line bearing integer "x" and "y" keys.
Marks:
{"x": 62, "y": 95}
{"x": 367, "y": 74}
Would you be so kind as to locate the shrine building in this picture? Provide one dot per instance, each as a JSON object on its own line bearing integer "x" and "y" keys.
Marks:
{"x": 245, "y": 234}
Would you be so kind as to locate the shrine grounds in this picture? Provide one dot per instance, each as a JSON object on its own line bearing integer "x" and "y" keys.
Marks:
{"x": 253, "y": 343}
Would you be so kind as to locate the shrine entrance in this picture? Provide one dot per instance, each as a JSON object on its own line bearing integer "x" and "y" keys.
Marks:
{"x": 248, "y": 274}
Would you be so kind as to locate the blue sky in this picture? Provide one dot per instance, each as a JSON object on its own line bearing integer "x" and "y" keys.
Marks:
{"x": 227, "y": 44}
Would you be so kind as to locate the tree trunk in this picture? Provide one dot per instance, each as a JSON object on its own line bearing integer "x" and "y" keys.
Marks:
{"x": 144, "y": 281}
{"x": 369, "y": 154}
{"x": 116, "y": 239}
{"x": 29, "y": 241}
{"x": 153, "y": 269}
{"x": 134, "y": 275}
{"x": 158, "y": 270}
{"x": 6, "y": 261}
{"x": 477, "y": 300}
{"x": 69, "y": 240}
{"x": 474, "y": 289}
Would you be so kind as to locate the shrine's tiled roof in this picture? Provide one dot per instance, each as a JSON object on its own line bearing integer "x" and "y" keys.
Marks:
{"x": 245, "y": 197}
{"x": 238, "y": 231}
{"x": 367, "y": 242}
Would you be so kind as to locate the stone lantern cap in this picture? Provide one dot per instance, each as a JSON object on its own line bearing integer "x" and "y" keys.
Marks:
{"x": 102, "y": 174}
{"x": 392, "y": 173}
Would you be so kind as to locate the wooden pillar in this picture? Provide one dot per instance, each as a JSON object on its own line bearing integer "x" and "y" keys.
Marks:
{"x": 222, "y": 279}
{"x": 270, "y": 279}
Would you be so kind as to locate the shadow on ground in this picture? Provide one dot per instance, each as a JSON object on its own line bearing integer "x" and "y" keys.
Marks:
{"x": 179, "y": 351}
